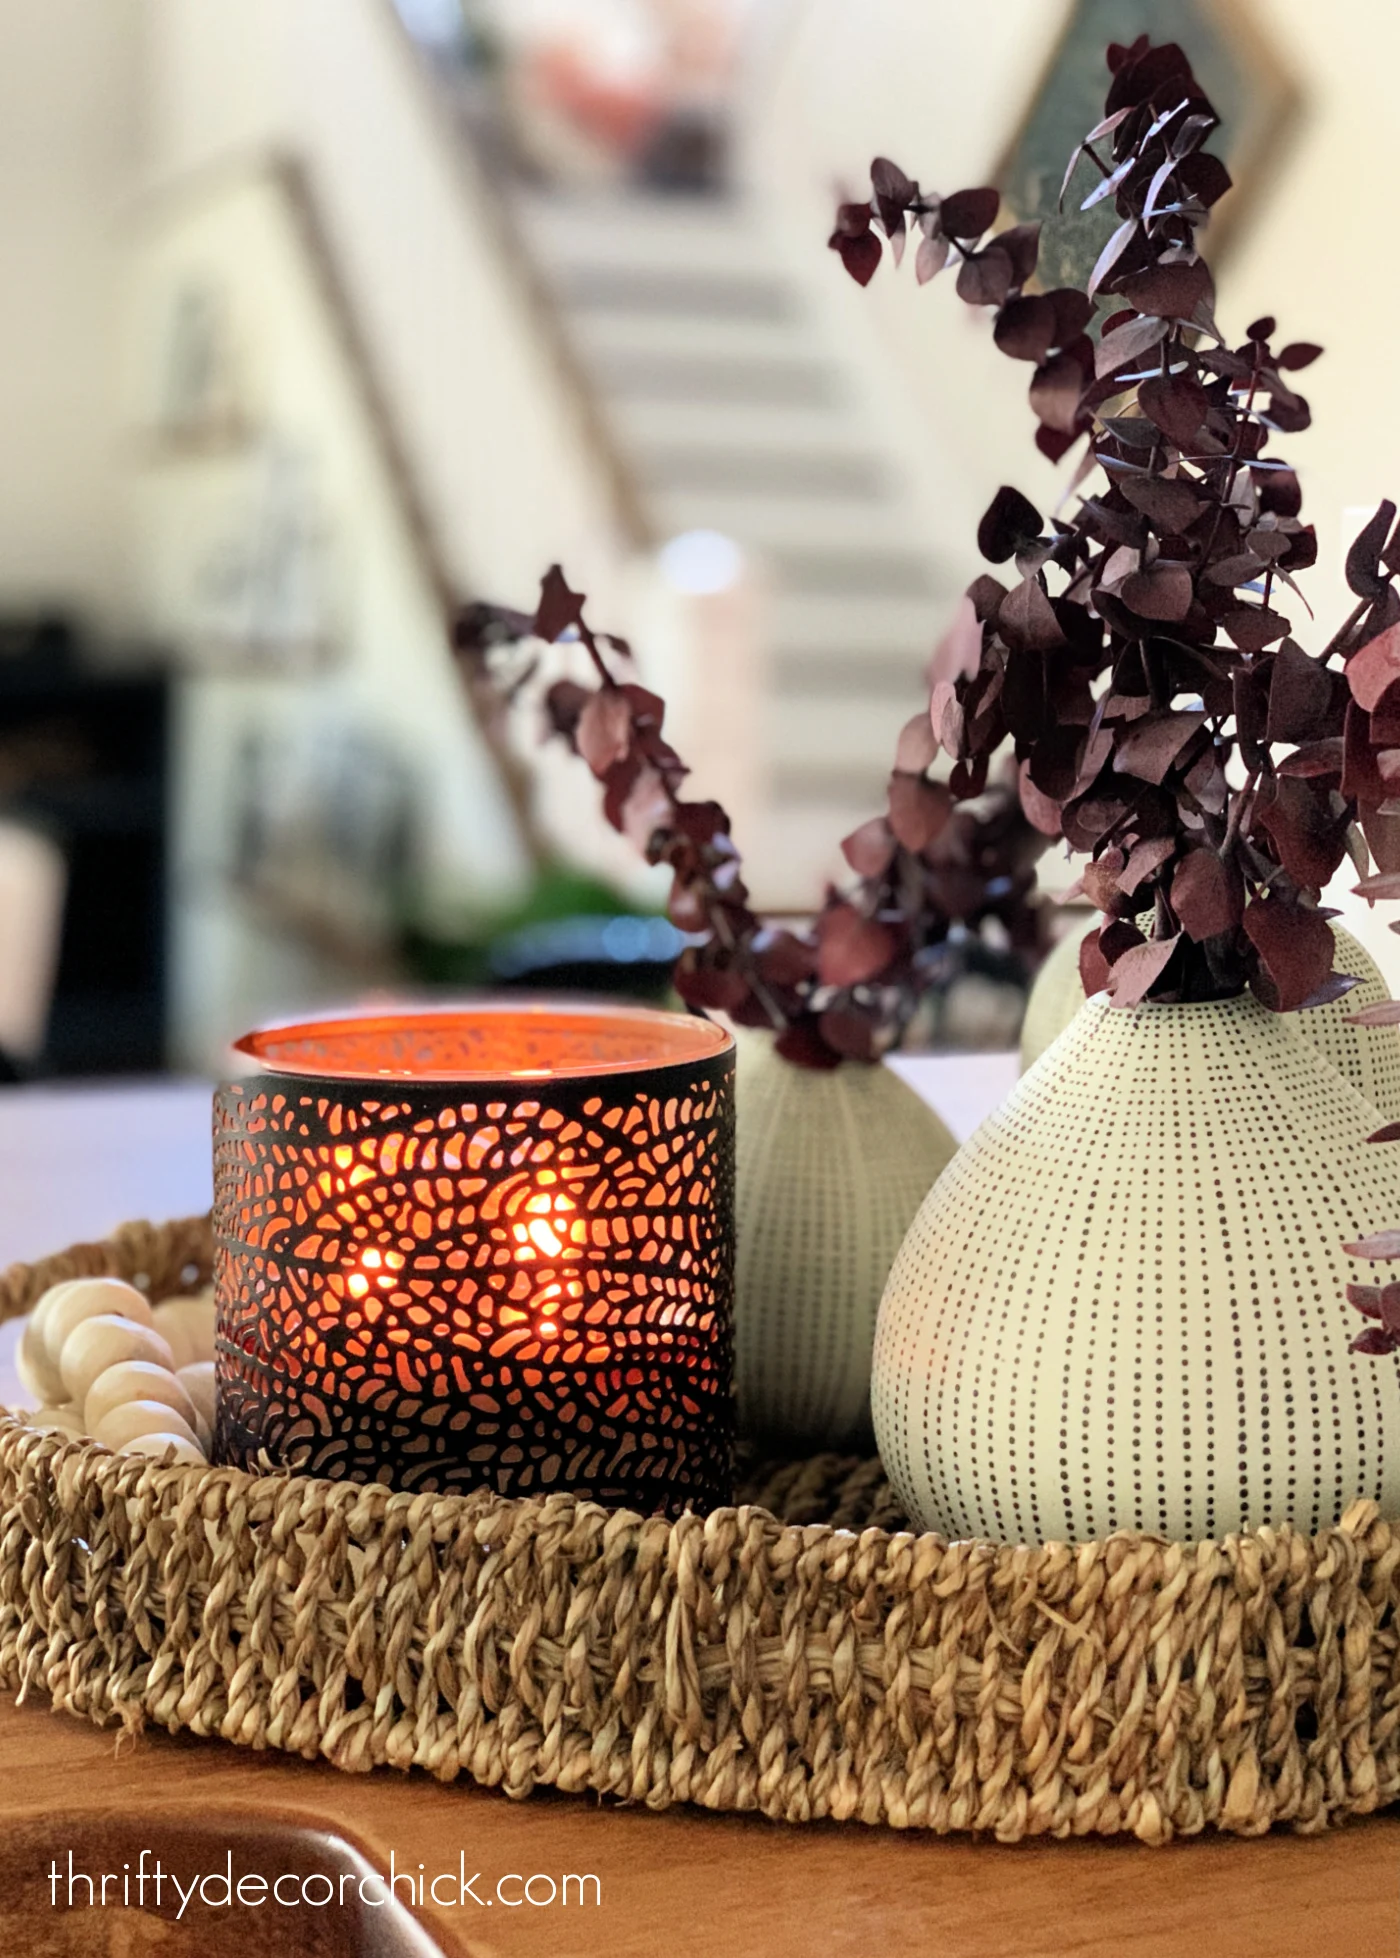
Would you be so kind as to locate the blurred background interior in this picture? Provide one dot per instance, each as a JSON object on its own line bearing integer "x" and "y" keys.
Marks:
{"x": 322, "y": 316}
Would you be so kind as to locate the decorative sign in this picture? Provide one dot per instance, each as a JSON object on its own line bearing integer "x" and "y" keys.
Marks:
{"x": 1236, "y": 66}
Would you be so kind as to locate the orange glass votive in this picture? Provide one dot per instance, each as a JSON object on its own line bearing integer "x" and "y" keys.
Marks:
{"x": 486, "y": 1245}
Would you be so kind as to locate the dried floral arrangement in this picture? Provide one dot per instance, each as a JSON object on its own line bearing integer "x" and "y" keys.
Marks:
{"x": 1137, "y": 660}
{"x": 848, "y": 988}
{"x": 1144, "y": 648}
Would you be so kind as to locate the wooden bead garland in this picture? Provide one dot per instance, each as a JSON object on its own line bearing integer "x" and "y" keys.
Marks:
{"x": 105, "y": 1366}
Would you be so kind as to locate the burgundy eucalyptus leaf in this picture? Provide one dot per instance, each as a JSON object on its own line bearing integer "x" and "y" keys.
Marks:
{"x": 1301, "y": 354}
{"x": 946, "y": 717}
{"x": 1127, "y": 343}
{"x": 1172, "y": 290}
{"x": 1334, "y": 987}
{"x": 1302, "y": 699}
{"x": 959, "y": 652}
{"x": 870, "y": 849}
{"x": 931, "y": 257}
{"x": 1385, "y": 885}
{"x": 1295, "y": 946}
{"x": 917, "y": 747}
{"x": 1171, "y": 503}
{"x": 1056, "y": 390}
{"x": 1207, "y": 896}
{"x": 849, "y": 1032}
{"x": 1177, "y": 404}
{"x": 860, "y": 254}
{"x": 1308, "y": 839}
{"x": 1205, "y": 177}
{"x": 1026, "y": 328}
{"x": 1027, "y": 619}
{"x": 985, "y": 278}
{"x": 802, "y": 1045}
{"x": 1314, "y": 759}
{"x": 1160, "y": 591}
{"x": 894, "y": 194}
{"x": 1253, "y": 627}
{"x": 850, "y": 948}
{"x": 1143, "y": 860}
{"x": 1021, "y": 243}
{"x": 1073, "y": 312}
{"x": 1380, "y": 1245}
{"x": 1375, "y": 1342}
{"x": 1112, "y": 254}
{"x": 1390, "y": 1133}
{"x": 1373, "y": 671}
{"x": 1385, "y": 1013}
{"x": 1011, "y": 521}
{"x": 1149, "y": 746}
{"x": 1041, "y": 811}
{"x": 559, "y": 608}
{"x": 969, "y": 213}
{"x": 1101, "y": 881}
{"x": 604, "y": 731}
{"x": 1137, "y": 970}
{"x": 918, "y": 809}
{"x": 783, "y": 959}
{"x": 1093, "y": 966}
{"x": 1364, "y": 557}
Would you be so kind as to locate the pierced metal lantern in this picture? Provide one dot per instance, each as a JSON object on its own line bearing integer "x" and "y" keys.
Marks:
{"x": 490, "y": 1245}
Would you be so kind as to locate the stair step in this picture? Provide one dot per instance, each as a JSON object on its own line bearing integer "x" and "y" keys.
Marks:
{"x": 701, "y": 383}
{"x": 602, "y": 337}
{"x": 652, "y": 291}
{"x": 807, "y": 618}
{"x": 709, "y": 236}
{"x": 853, "y": 737}
{"x": 770, "y": 427}
{"x": 817, "y": 474}
{"x": 838, "y": 672}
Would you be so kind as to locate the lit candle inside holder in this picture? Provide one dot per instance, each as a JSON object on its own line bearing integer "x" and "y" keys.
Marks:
{"x": 490, "y": 1245}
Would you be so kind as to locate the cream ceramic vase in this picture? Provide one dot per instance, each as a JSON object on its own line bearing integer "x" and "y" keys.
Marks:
{"x": 831, "y": 1169}
{"x": 1369, "y": 1057}
{"x": 1122, "y": 1306}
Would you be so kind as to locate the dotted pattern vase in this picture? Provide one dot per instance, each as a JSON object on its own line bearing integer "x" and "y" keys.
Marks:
{"x": 1122, "y": 1306}
{"x": 831, "y": 1169}
{"x": 1369, "y": 1057}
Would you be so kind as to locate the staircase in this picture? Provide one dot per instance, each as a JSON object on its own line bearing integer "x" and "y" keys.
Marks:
{"x": 734, "y": 408}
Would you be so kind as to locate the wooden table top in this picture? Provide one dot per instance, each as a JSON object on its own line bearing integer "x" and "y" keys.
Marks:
{"x": 682, "y": 1883}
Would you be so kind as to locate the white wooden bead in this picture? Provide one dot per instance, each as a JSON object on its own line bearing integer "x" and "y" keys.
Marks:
{"x": 158, "y": 1444}
{"x": 91, "y": 1298}
{"x": 99, "y": 1343}
{"x": 37, "y": 1367}
{"x": 132, "y": 1418}
{"x": 41, "y": 1377}
{"x": 136, "y": 1380}
{"x": 188, "y": 1324}
{"x": 63, "y": 1420}
{"x": 198, "y": 1382}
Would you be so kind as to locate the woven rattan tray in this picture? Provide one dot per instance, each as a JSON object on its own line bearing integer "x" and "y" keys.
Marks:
{"x": 799, "y": 1654}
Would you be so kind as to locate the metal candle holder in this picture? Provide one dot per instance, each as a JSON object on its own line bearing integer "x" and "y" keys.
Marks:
{"x": 481, "y": 1246}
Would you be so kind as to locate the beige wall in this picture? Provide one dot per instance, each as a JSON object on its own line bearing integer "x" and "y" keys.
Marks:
{"x": 69, "y": 95}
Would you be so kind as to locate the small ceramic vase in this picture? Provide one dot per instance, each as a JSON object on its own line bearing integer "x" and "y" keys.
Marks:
{"x": 831, "y": 1169}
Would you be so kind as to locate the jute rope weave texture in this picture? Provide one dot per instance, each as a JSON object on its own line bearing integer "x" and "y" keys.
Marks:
{"x": 829, "y": 1665}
